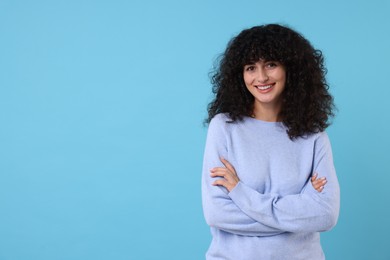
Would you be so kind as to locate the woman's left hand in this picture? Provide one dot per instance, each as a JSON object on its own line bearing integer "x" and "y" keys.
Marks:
{"x": 229, "y": 176}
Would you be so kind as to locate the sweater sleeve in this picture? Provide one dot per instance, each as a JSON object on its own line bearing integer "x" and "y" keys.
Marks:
{"x": 309, "y": 211}
{"x": 219, "y": 209}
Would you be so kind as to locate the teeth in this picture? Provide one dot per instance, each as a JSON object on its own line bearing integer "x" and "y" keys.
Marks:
{"x": 264, "y": 87}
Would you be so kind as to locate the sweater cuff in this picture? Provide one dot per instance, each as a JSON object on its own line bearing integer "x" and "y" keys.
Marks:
{"x": 237, "y": 191}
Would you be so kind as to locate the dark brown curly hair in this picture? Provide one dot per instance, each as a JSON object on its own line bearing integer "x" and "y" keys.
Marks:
{"x": 307, "y": 104}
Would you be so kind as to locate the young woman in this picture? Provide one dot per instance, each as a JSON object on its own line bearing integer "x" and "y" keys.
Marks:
{"x": 266, "y": 146}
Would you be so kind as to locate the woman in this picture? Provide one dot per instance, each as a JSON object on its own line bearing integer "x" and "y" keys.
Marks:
{"x": 265, "y": 147}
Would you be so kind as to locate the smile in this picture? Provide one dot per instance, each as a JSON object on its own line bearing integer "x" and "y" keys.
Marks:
{"x": 264, "y": 87}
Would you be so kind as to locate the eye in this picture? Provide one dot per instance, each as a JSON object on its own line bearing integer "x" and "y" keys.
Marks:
{"x": 249, "y": 67}
{"x": 271, "y": 64}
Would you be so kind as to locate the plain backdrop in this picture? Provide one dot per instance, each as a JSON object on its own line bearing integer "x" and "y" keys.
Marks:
{"x": 101, "y": 111}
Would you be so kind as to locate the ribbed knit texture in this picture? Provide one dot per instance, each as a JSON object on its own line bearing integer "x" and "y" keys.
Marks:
{"x": 273, "y": 212}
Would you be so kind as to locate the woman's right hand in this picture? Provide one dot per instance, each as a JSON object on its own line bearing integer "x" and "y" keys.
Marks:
{"x": 229, "y": 178}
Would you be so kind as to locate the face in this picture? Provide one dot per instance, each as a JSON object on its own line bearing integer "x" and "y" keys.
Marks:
{"x": 265, "y": 80}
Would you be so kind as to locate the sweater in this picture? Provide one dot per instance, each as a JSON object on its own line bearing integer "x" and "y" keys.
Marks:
{"x": 273, "y": 212}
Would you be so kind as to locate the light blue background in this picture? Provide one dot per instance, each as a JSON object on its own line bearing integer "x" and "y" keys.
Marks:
{"x": 101, "y": 110}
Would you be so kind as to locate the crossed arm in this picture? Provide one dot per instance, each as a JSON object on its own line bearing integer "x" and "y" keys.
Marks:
{"x": 230, "y": 178}
{"x": 234, "y": 207}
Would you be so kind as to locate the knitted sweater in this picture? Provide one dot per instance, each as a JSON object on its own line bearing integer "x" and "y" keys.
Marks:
{"x": 273, "y": 212}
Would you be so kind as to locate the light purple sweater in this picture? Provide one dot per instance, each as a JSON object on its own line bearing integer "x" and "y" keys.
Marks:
{"x": 273, "y": 212}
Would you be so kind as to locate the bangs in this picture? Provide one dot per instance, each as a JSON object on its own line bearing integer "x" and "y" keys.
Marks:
{"x": 261, "y": 50}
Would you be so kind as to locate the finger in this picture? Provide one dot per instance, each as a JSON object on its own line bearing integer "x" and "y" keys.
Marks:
{"x": 224, "y": 173}
{"x": 317, "y": 184}
{"x": 314, "y": 177}
{"x": 219, "y": 173}
{"x": 218, "y": 169}
{"x": 220, "y": 182}
{"x": 231, "y": 179}
{"x": 228, "y": 165}
{"x": 320, "y": 184}
{"x": 322, "y": 181}
{"x": 224, "y": 183}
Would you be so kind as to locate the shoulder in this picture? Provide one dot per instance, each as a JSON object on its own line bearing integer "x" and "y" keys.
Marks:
{"x": 317, "y": 140}
{"x": 322, "y": 142}
{"x": 219, "y": 121}
{"x": 219, "y": 124}
{"x": 220, "y": 118}
{"x": 316, "y": 137}
{"x": 322, "y": 137}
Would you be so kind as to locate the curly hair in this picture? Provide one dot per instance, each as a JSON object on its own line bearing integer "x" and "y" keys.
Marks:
{"x": 307, "y": 104}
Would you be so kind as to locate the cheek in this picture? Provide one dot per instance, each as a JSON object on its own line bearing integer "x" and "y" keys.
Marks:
{"x": 247, "y": 79}
{"x": 282, "y": 75}
{"x": 284, "y": 81}
{"x": 282, "y": 78}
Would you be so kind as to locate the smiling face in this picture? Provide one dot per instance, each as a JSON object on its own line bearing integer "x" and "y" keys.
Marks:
{"x": 266, "y": 81}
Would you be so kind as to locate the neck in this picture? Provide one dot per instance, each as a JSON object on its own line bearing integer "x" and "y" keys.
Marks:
{"x": 267, "y": 112}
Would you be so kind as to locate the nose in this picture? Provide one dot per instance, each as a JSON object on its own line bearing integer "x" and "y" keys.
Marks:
{"x": 262, "y": 75}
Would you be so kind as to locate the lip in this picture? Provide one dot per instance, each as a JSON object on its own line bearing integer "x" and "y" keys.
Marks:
{"x": 265, "y": 90}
